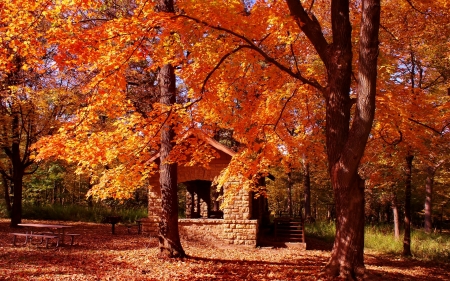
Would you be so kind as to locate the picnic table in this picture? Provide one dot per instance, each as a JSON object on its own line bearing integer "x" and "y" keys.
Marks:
{"x": 139, "y": 223}
{"x": 44, "y": 232}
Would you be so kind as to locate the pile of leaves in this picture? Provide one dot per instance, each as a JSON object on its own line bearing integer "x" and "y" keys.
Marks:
{"x": 99, "y": 255}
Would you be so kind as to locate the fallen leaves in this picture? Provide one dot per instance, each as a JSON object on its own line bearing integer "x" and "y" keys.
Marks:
{"x": 99, "y": 255}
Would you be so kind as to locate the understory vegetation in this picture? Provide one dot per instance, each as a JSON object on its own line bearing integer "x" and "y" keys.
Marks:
{"x": 96, "y": 213}
{"x": 380, "y": 239}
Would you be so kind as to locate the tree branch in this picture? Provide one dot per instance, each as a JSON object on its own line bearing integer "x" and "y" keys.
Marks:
{"x": 284, "y": 107}
{"x": 220, "y": 62}
{"x": 267, "y": 58}
{"x": 414, "y": 8}
{"x": 429, "y": 127}
{"x": 390, "y": 33}
{"x": 394, "y": 142}
{"x": 311, "y": 27}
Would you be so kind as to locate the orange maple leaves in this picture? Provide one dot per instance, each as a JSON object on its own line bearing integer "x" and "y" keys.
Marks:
{"x": 228, "y": 63}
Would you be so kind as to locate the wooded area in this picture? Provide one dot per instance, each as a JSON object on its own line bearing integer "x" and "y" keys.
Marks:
{"x": 334, "y": 110}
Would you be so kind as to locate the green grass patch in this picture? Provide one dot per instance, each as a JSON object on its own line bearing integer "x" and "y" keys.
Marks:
{"x": 434, "y": 246}
{"x": 321, "y": 230}
{"x": 381, "y": 239}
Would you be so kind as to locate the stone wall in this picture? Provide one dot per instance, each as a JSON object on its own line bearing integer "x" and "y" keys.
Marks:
{"x": 154, "y": 211}
{"x": 241, "y": 232}
{"x": 235, "y": 227}
{"x": 238, "y": 207}
{"x": 237, "y": 232}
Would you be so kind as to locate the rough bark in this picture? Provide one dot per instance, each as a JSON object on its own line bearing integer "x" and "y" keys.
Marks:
{"x": 407, "y": 220}
{"x": 396, "y": 218}
{"x": 307, "y": 192}
{"x": 169, "y": 238}
{"x": 345, "y": 144}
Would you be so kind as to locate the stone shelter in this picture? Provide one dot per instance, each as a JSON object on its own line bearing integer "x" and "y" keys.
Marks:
{"x": 237, "y": 223}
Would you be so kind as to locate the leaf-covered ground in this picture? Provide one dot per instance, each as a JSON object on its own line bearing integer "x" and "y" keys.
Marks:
{"x": 99, "y": 255}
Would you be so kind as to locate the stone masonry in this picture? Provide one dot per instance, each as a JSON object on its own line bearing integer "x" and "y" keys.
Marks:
{"x": 238, "y": 232}
{"x": 236, "y": 227}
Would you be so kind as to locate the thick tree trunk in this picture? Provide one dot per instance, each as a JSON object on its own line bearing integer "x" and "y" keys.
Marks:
{"x": 407, "y": 221}
{"x": 169, "y": 238}
{"x": 396, "y": 218}
{"x": 347, "y": 257}
{"x": 346, "y": 147}
{"x": 345, "y": 144}
{"x": 307, "y": 192}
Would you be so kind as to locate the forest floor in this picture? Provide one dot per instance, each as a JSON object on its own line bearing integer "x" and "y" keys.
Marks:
{"x": 99, "y": 255}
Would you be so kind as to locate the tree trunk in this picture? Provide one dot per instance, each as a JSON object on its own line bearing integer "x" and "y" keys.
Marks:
{"x": 396, "y": 218}
{"x": 429, "y": 199}
{"x": 17, "y": 173}
{"x": 345, "y": 143}
{"x": 55, "y": 192}
{"x": 347, "y": 254}
{"x": 345, "y": 147}
{"x": 307, "y": 192}
{"x": 169, "y": 238}
{"x": 289, "y": 197}
{"x": 431, "y": 170}
{"x": 407, "y": 221}
{"x": 6, "y": 194}
{"x": 16, "y": 214}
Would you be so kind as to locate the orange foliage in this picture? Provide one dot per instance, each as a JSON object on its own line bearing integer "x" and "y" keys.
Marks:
{"x": 228, "y": 61}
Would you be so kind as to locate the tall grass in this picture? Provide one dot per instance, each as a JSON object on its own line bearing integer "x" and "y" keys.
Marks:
{"x": 81, "y": 213}
{"x": 381, "y": 239}
{"x": 322, "y": 230}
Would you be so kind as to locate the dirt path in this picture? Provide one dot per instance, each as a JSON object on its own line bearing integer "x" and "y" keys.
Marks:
{"x": 99, "y": 255}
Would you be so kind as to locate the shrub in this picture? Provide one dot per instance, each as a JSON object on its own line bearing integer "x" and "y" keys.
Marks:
{"x": 97, "y": 213}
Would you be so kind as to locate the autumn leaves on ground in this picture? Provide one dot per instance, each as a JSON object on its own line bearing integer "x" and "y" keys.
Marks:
{"x": 99, "y": 255}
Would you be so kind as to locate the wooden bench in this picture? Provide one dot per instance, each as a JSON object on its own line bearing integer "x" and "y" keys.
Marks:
{"x": 72, "y": 236}
{"x": 29, "y": 236}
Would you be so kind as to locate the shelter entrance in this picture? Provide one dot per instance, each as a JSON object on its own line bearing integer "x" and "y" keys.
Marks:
{"x": 202, "y": 200}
